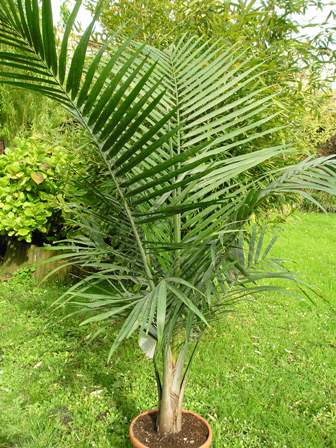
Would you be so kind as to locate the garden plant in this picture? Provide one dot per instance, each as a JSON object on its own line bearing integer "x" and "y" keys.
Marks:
{"x": 42, "y": 161}
{"x": 185, "y": 150}
{"x": 32, "y": 185}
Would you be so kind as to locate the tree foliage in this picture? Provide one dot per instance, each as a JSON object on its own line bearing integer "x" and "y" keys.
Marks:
{"x": 299, "y": 59}
{"x": 263, "y": 24}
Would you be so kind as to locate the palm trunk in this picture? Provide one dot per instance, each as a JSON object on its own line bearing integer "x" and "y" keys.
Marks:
{"x": 170, "y": 413}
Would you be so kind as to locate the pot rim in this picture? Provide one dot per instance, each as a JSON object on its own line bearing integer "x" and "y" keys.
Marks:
{"x": 139, "y": 444}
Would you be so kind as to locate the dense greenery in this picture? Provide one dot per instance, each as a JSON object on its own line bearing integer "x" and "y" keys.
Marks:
{"x": 34, "y": 180}
{"x": 39, "y": 133}
{"x": 24, "y": 114}
{"x": 271, "y": 385}
{"x": 263, "y": 23}
{"x": 40, "y": 139}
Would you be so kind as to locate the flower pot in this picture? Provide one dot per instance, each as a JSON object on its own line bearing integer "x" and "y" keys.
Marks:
{"x": 199, "y": 421}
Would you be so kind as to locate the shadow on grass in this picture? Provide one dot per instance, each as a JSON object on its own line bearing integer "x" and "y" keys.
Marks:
{"x": 86, "y": 368}
{"x": 5, "y": 442}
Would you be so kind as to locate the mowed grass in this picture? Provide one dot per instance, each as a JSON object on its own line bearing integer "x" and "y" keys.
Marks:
{"x": 265, "y": 376}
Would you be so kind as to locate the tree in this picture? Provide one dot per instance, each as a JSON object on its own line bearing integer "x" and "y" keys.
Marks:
{"x": 165, "y": 123}
{"x": 261, "y": 23}
{"x": 298, "y": 59}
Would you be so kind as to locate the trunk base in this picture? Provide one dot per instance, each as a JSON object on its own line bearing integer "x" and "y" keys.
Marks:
{"x": 195, "y": 433}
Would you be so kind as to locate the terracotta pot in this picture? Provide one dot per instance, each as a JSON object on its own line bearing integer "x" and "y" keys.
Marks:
{"x": 137, "y": 444}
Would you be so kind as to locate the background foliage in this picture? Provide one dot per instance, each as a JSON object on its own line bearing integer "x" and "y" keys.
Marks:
{"x": 24, "y": 114}
{"x": 298, "y": 62}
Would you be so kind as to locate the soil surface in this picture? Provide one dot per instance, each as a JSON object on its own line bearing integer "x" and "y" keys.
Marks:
{"x": 194, "y": 433}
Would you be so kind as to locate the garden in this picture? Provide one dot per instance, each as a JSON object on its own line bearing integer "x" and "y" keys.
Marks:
{"x": 167, "y": 224}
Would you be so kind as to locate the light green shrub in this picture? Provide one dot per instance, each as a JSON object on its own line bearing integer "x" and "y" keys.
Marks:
{"x": 33, "y": 184}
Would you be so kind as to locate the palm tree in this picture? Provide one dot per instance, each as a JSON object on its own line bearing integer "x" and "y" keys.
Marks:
{"x": 189, "y": 155}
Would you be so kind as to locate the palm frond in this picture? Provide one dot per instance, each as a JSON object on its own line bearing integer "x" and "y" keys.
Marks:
{"x": 312, "y": 174}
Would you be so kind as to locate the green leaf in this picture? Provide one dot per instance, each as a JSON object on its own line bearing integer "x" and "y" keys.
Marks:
{"x": 33, "y": 18}
{"x": 187, "y": 302}
{"x": 161, "y": 293}
{"x": 49, "y": 35}
{"x": 77, "y": 62}
{"x": 65, "y": 41}
{"x": 107, "y": 315}
{"x": 38, "y": 178}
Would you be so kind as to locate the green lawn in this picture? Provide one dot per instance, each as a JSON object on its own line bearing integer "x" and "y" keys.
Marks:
{"x": 266, "y": 376}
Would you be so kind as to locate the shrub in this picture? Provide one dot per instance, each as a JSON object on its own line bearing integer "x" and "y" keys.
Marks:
{"x": 33, "y": 183}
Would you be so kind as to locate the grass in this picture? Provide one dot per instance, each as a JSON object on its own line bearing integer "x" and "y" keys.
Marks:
{"x": 265, "y": 377}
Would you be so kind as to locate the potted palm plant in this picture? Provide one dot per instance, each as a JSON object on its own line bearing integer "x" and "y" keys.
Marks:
{"x": 185, "y": 137}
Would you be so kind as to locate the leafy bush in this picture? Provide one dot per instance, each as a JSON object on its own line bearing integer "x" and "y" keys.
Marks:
{"x": 33, "y": 183}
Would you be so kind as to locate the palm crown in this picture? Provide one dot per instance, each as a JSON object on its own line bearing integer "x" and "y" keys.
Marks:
{"x": 182, "y": 133}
